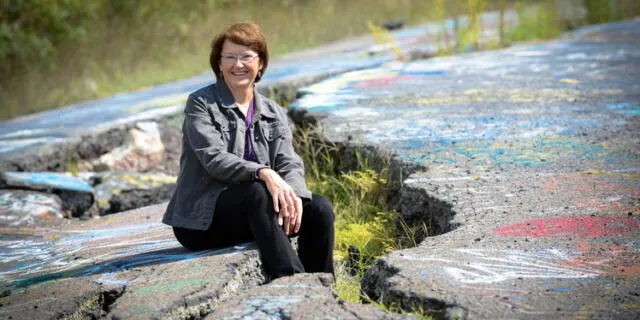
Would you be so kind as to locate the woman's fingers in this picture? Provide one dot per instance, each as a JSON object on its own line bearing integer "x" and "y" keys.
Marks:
{"x": 276, "y": 201}
{"x": 298, "y": 220}
{"x": 285, "y": 211}
{"x": 295, "y": 213}
{"x": 293, "y": 210}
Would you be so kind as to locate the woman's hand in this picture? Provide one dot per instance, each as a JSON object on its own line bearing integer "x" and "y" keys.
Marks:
{"x": 285, "y": 202}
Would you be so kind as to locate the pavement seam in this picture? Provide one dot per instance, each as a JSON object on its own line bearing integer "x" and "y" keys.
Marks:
{"x": 239, "y": 280}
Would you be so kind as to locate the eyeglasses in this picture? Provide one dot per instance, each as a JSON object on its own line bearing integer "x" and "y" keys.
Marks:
{"x": 232, "y": 58}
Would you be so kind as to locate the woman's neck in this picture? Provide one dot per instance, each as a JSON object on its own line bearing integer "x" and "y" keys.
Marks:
{"x": 243, "y": 96}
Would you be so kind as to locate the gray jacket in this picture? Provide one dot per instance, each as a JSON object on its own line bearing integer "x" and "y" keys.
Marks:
{"x": 212, "y": 150}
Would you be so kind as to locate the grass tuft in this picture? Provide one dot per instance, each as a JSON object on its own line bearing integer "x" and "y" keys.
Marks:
{"x": 366, "y": 228}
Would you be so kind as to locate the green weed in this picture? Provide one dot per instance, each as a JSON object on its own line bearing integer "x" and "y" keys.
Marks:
{"x": 363, "y": 221}
{"x": 417, "y": 311}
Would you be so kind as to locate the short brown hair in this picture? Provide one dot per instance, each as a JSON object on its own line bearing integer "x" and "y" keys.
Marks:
{"x": 244, "y": 33}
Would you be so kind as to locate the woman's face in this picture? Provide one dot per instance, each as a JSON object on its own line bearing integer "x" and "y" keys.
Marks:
{"x": 239, "y": 65}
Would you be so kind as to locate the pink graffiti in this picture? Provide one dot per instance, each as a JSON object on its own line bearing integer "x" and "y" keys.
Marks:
{"x": 383, "y": 81}
{"x": 572, "y": 226}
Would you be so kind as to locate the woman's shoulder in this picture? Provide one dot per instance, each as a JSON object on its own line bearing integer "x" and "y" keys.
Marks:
{"x": 206, "y": 92}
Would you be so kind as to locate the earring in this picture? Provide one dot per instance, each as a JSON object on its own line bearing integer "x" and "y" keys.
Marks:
{"x": 259, "y": 74}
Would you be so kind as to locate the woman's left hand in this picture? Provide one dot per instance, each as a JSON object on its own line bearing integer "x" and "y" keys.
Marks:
{"x": 286, "y": 204}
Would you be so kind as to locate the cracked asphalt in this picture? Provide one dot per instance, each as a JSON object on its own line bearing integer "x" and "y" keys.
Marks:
{"x": 531, "y": 174}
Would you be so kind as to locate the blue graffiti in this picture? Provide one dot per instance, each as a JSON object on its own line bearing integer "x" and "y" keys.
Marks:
{"x": 46, "y": 180}
{"x": 625, "y": 108}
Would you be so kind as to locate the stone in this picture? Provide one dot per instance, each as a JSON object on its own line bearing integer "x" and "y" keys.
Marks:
{"x": 301, "y": 296}
{"x": 44, "y": 181}
{"x": 20, "y": 208}
{"x": 143, "y": 149}
{"x": 75, "y": 193}
{"x": 119, "y": 191}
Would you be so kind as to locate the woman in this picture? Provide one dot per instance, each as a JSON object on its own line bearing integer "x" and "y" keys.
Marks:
{"x": 240, "y": 179}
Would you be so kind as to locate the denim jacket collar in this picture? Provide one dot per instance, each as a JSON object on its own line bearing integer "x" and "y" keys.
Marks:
{"x": 226, "y": 99}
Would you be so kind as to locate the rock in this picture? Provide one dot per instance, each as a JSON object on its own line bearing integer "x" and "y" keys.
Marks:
{"x": 143, "y": 149}
{"x": 44, "y": 181}
{"x": 301, "y": 296}
{"x": 75, "y": 193}
{"x": 27, "y": 208}
{"x": 66, "y": 299}
{"x": 188, "y": 288}
{"x": 393, "y": 24}
{"x": 118, "y": 191}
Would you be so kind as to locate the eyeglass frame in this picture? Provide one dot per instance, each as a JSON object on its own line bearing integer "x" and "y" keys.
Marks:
{"x": 225, "y": 58}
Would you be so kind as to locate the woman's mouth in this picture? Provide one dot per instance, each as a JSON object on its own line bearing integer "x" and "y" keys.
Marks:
{"x": 240, "y": 73}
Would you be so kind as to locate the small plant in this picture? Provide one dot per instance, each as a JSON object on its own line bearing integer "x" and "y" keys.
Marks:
{"x": 417, "y": 311}
{"x": 365, "y": 227}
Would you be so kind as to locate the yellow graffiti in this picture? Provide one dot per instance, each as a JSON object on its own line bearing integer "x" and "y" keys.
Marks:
{"x": 384, "y": 37}
{"x": 569, "y": 81}
{"x": 152, "y": 181}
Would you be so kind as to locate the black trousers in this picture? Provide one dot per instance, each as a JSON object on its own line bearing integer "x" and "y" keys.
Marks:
{"x": 244, "y": 212}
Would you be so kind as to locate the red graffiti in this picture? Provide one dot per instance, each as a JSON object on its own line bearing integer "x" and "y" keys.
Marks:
{"x": 617, "y": 260}
{"x": 572, "y": 226}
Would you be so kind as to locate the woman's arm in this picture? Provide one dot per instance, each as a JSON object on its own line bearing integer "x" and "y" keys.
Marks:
{"x": 287, "y": 162}
{"x": 207, "y": 143}
{"x": 286, "y": 181}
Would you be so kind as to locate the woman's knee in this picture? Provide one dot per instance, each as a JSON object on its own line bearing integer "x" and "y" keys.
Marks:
{"x": 322, "y": 208}
{"x": 258, "y": 200}
{"x": 190, "y": 239}
{"x": 256, "y": 191}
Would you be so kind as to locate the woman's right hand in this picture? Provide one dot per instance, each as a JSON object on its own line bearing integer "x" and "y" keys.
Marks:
{"x": 285, "y": 201}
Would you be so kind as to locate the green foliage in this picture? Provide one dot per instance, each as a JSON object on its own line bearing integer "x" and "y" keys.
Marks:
{"x": 359, "y": 197}
{"x": 32, "y": 30}
{"x": 536, "y": 21}
{"x": 317, "y": 153}
{"x": 361, "y": 220}
{"x": 73, "y": 50}
{"x": 409, "y": 235}
{"x": 417, "y": 311}
{"x": 347, "y": 287}
{"x": 599, "y": 11}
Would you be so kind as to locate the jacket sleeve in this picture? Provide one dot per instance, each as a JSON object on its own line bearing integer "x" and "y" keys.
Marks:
{"x": 288, "y": 163}
{"x": 207, "y": 143}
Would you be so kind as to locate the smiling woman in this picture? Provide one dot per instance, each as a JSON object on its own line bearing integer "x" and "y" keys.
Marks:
{"x": 240, "y": 179}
